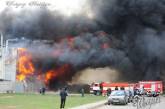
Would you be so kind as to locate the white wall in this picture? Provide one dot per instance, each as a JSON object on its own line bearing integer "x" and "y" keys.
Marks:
{"x": 2, "y": 73}
{"x": 11, "y": 64}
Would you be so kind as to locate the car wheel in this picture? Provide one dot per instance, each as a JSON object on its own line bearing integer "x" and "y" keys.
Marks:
{"x": 109, "y": 102}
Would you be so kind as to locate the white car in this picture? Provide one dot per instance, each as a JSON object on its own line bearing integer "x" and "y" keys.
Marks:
{"x": 118, "y": 97}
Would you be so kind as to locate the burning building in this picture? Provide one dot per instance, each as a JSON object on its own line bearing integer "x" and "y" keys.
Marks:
{"x": 57, "y": 62}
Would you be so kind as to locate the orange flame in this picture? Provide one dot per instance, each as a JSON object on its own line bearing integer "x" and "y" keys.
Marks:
{"x": 49, "y": 75}
{"x": 56, "y": 73}
{"x": 25, "y": 66}
{"x": 21, "y": 77}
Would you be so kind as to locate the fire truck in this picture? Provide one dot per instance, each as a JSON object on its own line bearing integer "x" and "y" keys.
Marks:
{"x": 95, "y": 88}
{"x": 101, "y": 88}
{"x": 149, "y": 86}
{"x": 105, "y": 86}
{"x": 152, "y": 86}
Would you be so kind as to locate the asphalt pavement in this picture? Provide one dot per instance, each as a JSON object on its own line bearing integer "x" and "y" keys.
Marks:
{"x": 103, "y": 105}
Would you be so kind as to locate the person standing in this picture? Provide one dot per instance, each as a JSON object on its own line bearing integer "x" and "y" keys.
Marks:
{"x": 82, "y": 92}
{"x": 108, "y": 91}
{"x": 63, "y": 95}
{"x": 42, "y": 90}
{"x": 142, "y": 91}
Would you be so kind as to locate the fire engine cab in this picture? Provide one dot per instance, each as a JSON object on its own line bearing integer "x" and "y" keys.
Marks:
{"x": 95, "y": 88}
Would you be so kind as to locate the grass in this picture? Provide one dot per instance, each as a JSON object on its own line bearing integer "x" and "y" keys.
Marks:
{"x": 36, "y": 101}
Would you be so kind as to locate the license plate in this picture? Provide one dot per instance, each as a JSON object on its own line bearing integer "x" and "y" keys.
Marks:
{"x": 115, "y": 100}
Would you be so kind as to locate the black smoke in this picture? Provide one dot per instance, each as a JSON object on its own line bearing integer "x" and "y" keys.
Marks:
{"x": 140, "y": 26}
{"x": 135, "y": 35}
{"x": 86, "y": 50}
{"x": 43, "y": 24}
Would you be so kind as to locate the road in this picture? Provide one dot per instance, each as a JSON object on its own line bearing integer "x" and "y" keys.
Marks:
{"x": 160, "y": 105}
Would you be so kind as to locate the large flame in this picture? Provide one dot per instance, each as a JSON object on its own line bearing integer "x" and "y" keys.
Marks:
{"x": 60, "y": 71}
{"x": 25, "y": 66}
{"x": 49, "y": 75}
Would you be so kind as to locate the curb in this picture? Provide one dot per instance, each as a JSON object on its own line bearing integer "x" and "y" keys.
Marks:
{"x": 91, "y": 105}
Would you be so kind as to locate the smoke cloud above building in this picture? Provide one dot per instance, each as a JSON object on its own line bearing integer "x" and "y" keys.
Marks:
{"x": 125, "y": 35}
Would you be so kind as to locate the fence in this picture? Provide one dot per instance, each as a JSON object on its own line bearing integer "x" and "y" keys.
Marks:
{"x": 6, "y": 86}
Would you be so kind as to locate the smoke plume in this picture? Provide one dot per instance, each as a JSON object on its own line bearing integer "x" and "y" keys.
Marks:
{"x": 126, "y": 35}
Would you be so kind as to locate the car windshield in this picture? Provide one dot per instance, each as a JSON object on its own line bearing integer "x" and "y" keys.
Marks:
{"x": 117, "y": 93}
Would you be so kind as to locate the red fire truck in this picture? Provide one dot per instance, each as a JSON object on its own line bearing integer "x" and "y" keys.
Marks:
{"x": 105, "y": 86}
{"x": 152, "y": 86}
{"x": 101, "y": 88}
{"x": 95, "y": 88}
{"x": 149, "y": 86}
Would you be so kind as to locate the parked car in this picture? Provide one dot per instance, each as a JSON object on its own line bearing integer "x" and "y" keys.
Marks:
{"x": 118, "y": 97}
